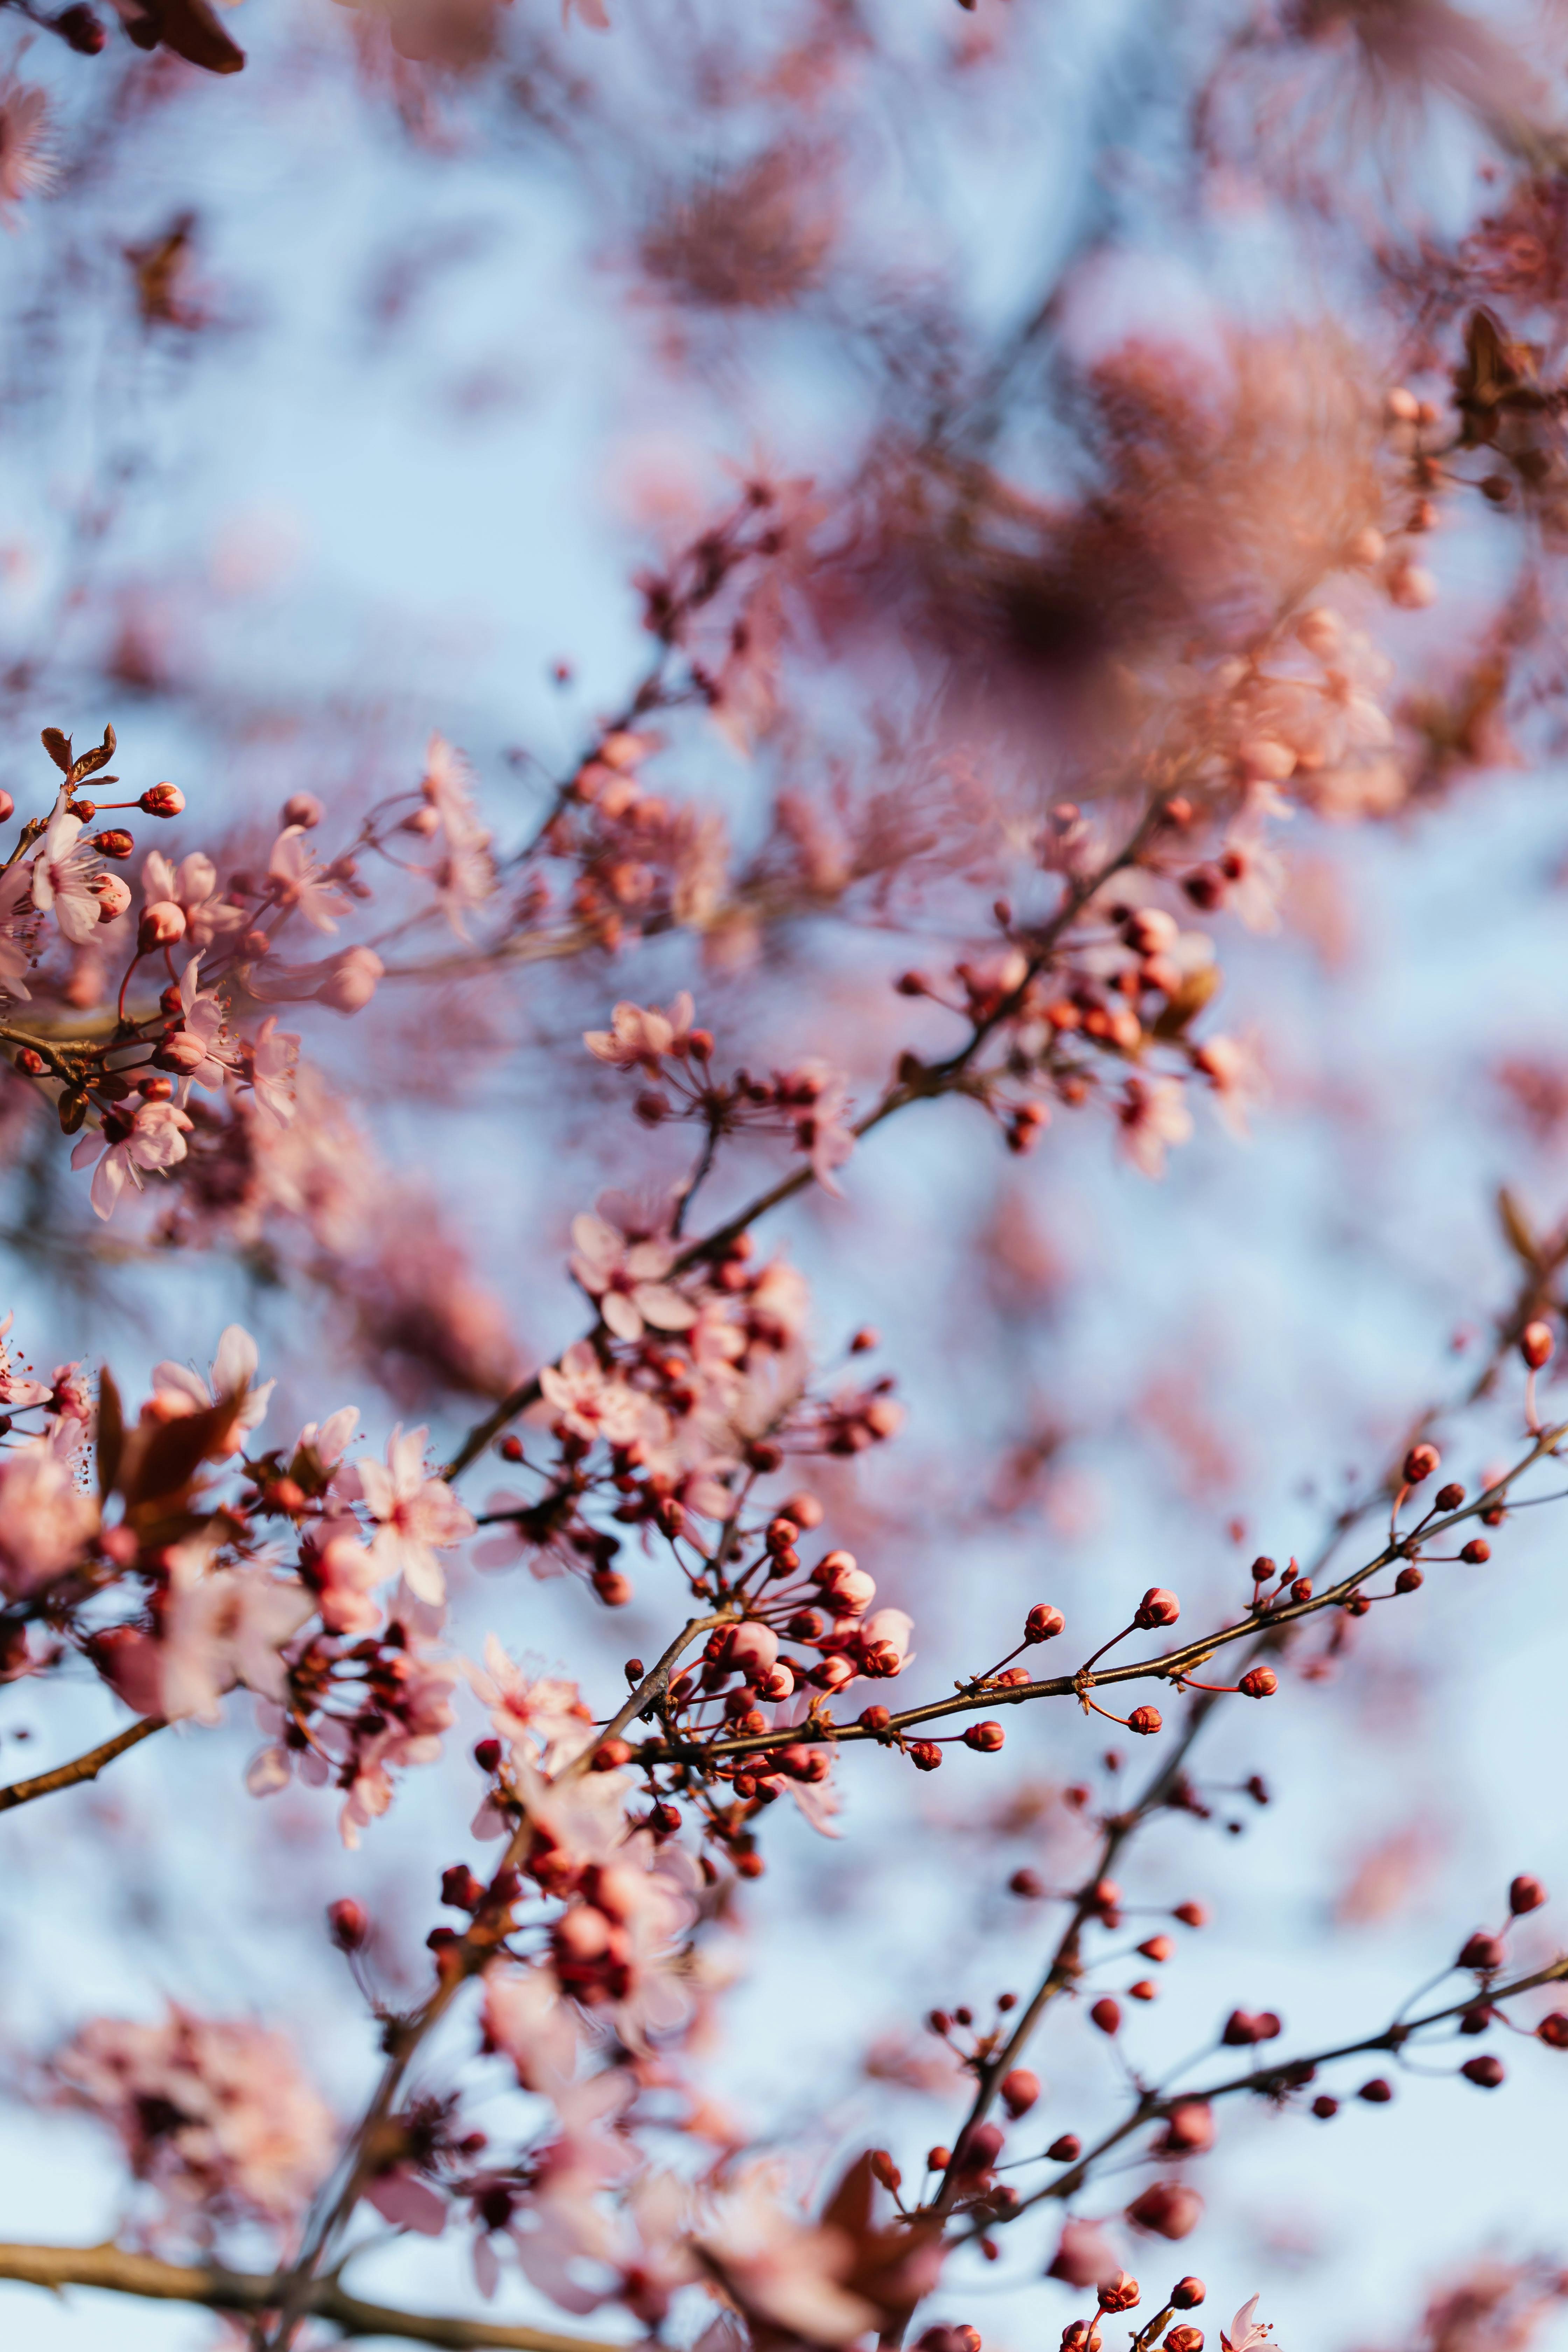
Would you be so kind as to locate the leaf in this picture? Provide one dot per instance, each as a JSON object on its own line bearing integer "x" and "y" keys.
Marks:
{"x": 165, "y": 1457}
{"x": 72, "y": 1111}
{"x": 59, "y": 747}
{"x": 1182, "y": 1008}
{"x": 1516, "y": 1231}
{"x": 98, "y": 757}
{"x": 189, "y": 27}
{"x": 110, "y": 1433}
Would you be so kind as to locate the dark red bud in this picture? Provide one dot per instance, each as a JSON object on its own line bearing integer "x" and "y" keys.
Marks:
{"x": 349, "y": 1922}
{"x": 1526, "y": 1894}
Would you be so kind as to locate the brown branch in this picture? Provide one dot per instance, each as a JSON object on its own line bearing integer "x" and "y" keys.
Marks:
{"x": 120, "y": 2271}
{"x": 81, "y": 1767}
{"x": 1172, "y": 1666}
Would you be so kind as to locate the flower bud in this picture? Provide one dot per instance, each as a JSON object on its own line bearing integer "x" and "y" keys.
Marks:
{"x": 1553, "y": 2030}
{"x": 1536, "y": 1344}
{"x": 349, "y": 1922}
{"x": 924, "y": 1754}
{"x": 1189, "y": 2128}
{"x": 1525, "y": 1893}
{"x": 613, "y": 1589}
{"x": 1419, "y": 1464}
{"x": 1450, "y": 1498}
{"x": 985, "y": 1736}
{"x": 1118, "y": 2294}
{"x": 1107, "y": 2014}
{"x": 351, "y": 981}
{"x": 1027, "y": 1884}
{"x": 1377, "y": 2092}
{"x": 1167, "y": 2208}
{"x": 1145, "y": 1720}
{"x": 874, "y": 1718}
{"x": 1324, "y": 2107}
{"x": 1262, "y": 1682}
{"x": 1477, "y": 1553}
{"x": 1409, "y": 1579}
{"x": 1184, "y": 2339}
{"x": 1065, "y": 2150}
{"x": 1158, "y": 1948}
{"x": 486, "y": 1754}
{"x": 115, "y": 843}
{"x": 1484, "y": 1953}
{"x": 302, "y": 809}
{"x": 161, "y": 800}
{"x": 32, "y": 1062}
{"x": 1187, "y": 2294}
{"x": 1485, "y": 2072}
{"x": 1043, "y": 1622}
{"x": 1157, "y": 1607}
{"x": 162, "y": 924}
{"x": 610, "y": 1754}
{"x": 1192, "y": 1915}
{"x": 1019, "y": 2089}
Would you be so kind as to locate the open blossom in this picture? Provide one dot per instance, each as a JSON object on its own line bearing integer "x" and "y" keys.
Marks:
{"x": 626, "y": 1277}
{"x": 19, "y": 1394}
{"x": 297, "y": 881}
{"x": 273, "y": 1060}
{"x": 26, "y": 169}
{"x": 543, "y": 1715}
{"x": 219, "y": 1627}
{"x": 1153, "y": 1116}
{"x": 785, "y": 2274}
{"x": 63, "y": 875}
{"x": 136, "y": 1135}
{"x": 176, "y": 1389}
{"x": 192, "y": 886}
{"x": 418, "y": 1515}
{"x": 412, "y": 1717}
{"x": 46, "y": 1517}
{"x": 525, "y": 2017}
{"x": 217, "y": 2114}
{"x": 1247, "y": 2334}
{"x": 817, "y": 1096}
{"x": 640, "y": 1036}
{"x": 590, "y": 1402}
{"x": 200, "y": 1048}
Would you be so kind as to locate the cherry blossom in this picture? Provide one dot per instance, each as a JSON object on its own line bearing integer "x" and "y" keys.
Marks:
{"x": 639, "y": 1038}
{"x": 192, "y": 886}
{"x": 417, "y": 1516}
{"x": 297, "y": 881}
{"x": 626, "y": 1277}
{"x": 1246, "y": 2333}
{"x": 1154, "y": 1118}
{"x": 589, "y": 1402}
{"x": 135, "y": 1135}
{"x": 46, "y": 1518}
{"x": 176, "y": 1389}
{"x": 62, "y": 878}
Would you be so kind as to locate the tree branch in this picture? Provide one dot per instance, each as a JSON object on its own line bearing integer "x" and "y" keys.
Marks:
{"x": 81, "y": 1767}
{"x": 120, "y": 2271}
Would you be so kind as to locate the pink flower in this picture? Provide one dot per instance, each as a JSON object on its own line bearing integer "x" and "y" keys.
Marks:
{"x": 26, "y": 169}
{"x": 591, "y": 1403}
{"x": 1152, "y": 1115}
{"x": 346, "y": 980}
{"x": 297, "y": 881}
{"x": 193, "y": 887}
{"x": 543, "y": 1718}
{"x": 18, "y": 1394}
{"x": 62, "y": 879}
{"x": 176, "y": 1389}
{"x": 783, "y": 2273}
{"x": 136, "y": 1135}
{"x": 626, "y": 1277}
{"x": 637, "y": 1038}
{"x": 46, "y": 1517}
{"x": 822, "y": 1095}
{"x": 415, "y": 1714}
{"x": 274, "y": 1059}
{"x": 222, "y": 1627}
{"x": 327, "y": 1439}
{"x": 1246, "y": 2333}
{"x": 418, "y": 1515}
{"x": 526, "y": 2017}
{"x": 198, "y": 1047}
{"x": 219, "y": 2116}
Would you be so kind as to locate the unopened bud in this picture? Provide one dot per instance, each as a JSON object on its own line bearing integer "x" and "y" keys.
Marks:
{"x": 1065, "y": 2150}
{"x": 985, "y": 1736}
{"x": 1261, "y": 1682}
{"x": 302, "y": 809}
{"x": 1536, "y": 1344}
{"x": 1409, "y": 1579}
{"x": 1043, "y": 1622}
{"x": 486, "y": 1754}
{"x": 1145, "y": 1720}
{"x": 162, "y": 924}
{"x": 115, "y": 843}
{"x": 161, "y": 800}
{"x": 349, "y": 1922}
{"x": 1485, "y": 2072}
{"x": 1187, "y": 2294}
{"x": 1377, "y": 2092}
{"x": 1107, "y": 2014}
{"x": 1553, "y": 2030}
{"x": 1485, "y": 1953}
{"x": 1419, "y": 1464}
{"x": 1157, "y": 1607}
{"x": 1019, "y": 2089}
{"x": 1525, "y": 1893}
{"x": 1477, "y": 1553}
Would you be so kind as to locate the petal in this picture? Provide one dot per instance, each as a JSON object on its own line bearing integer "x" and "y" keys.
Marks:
{"x": 621, "y": 1315}
{"x": 663, "y": 1307}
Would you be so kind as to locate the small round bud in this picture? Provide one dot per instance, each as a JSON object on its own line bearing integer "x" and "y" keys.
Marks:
{"x": 486, "y": 1754}
{"x": 803, "y": 1510}
{"x": 1043, "y": 1622}
{"x": 1263, "y": 1568}
{"x": 1184, "y": 2339}
{"x": 633, "y": 1670}
{"x": 1167, "y": 2208}
{"x": 1157, "y": 1607}
{"x": 302, "y": 809}
{"x": 511, "y": 1449}
{"x": 1377, "y": 2092}
{"x": 1484, "y": 1953}
{"x": 1553, "y": 2030}
{"x": 1485, "y": 2072}
{"x": 885, "y": 2169}
{"x": 1120, "y": 2293}
{"x": 985, "y": 1736}
{"x": 938, "y": 2159}
{"x": 1107, "y": 2014}
{"x": 1419, "y": 1464}
{"x": 1157, "y": 1948}
{"x": 115, "y": 843}
{"x": 1019, "y": 2091}
{"x": 1192, "y": 1915}
{"x": 1027, "y": 1884}
{"x": 162, "y": 924}
{"x": 1525, "y": 1893}
{"x": 924, "y": 1755}
{"x": 874, "y": 1718}
{"x": 33, "y": 1064}
{"x": 161, "y": 800}
{"x": 1477, "y": 1553}
{"x": 610, "y": 1754}
{"x": 349, "y": 1922}
{"x": 1145, "y": 1720}
{"x": 1187, "y": 2294}
{"x": 1065, "y": 2150}
{"x": 1450, "y": 1498}
{"x": 1144, "y": 1990}
{"x": 1324, "y": 2107}
{"x": 1409, "y": 1579}
{"x": 1536, "y": 1345}
{"x": 613, "y": 1589}
{"x": 1261, "y": 1682}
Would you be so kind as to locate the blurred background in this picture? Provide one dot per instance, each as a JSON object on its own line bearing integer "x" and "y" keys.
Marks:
{"x": 344, "y": 399}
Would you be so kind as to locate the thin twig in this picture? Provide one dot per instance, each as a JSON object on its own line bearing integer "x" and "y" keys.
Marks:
{"x": 81, "y": 1767}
